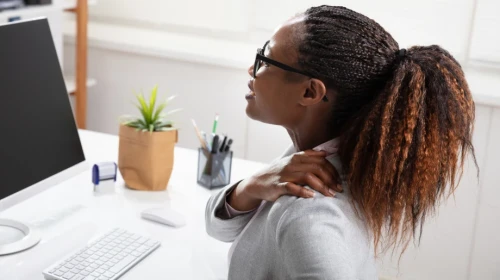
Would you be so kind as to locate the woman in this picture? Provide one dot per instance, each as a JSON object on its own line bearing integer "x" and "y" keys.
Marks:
{"x": 395, "y": 124}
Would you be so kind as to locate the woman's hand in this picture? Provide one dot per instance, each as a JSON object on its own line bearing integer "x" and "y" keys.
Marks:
{"x": 285, "y": 177}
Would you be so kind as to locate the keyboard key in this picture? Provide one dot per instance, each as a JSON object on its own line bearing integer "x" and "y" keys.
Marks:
{"x": 77, "y": 277}
{"x": 136, "y": 236}
{"x": 136, "y": 254}
{"x": 69, "y": 266}
{"x": 79, "y": 259}
{"x": 95, "y": 274}
{"x": 84, "y": 255}
{"x": 142, "y": 249}
{"x": 74, "y": 262}
{"x": 85, "y": 264}
{"x": 99, "y": 262}
{"x": 109, "y": 274}
{"x": 100, "y": 270}
{"x": 75, "y": 270}
{"x": 142, "y": 240}
{"x": 89, "y": 269}
{"x": 84, "y": 272}
{"x": 80, "y": 267}
{"x": 105, "y": 266}
{"x": 94, "y": 265}
{"x": 58, "y": 273}
{"x": 122, "y": 264}
{"x": 68, "y": 275}
{"x": 89, "y": 278}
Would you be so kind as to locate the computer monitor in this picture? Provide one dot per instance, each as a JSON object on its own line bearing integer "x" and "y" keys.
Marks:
{"x": 39, "y": 142}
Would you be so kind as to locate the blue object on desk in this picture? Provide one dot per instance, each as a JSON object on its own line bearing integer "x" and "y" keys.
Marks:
{"x": 104, "y": 171}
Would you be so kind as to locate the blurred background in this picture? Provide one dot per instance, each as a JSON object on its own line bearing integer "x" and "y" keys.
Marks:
{"x": 200, "y": 50}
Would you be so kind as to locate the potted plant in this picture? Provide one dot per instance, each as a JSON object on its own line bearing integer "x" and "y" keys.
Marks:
{"x": 146, "y": 147}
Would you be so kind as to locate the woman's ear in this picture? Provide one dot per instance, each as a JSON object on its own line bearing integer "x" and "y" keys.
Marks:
{"x": 314, "y": 93}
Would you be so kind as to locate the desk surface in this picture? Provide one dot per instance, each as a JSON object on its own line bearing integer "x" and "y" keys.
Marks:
{"x": 70, "y": 214}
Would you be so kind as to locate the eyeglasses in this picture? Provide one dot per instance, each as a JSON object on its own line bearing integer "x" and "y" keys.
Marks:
{"x": 260, "y": 59}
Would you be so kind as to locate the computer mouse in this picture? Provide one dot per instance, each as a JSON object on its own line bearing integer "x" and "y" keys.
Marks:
{"x": 165, "y": 216}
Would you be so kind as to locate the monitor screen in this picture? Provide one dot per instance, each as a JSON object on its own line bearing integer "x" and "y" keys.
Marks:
{"x": 38, "y": 134}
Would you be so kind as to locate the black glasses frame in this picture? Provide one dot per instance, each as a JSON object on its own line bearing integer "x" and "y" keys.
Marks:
{"x": 259, "y": 58}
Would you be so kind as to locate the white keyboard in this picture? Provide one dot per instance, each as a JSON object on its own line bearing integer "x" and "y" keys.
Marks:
{"x": 106, "y": 258}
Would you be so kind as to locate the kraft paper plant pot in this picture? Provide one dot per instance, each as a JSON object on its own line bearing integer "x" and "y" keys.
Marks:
{"x": 146, "y": 159}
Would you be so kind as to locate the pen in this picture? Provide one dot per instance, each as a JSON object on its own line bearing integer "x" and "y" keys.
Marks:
{"x": 228, "y": 145}
{"x": 216, "y": 120}
{"x": 215, "y": 144}
{"x": 222, "y": 146}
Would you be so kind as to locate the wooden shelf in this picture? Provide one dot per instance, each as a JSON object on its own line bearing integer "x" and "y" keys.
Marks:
{"x": 78, "y": 88}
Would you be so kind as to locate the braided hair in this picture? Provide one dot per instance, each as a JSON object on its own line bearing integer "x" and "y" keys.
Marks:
{"x": 406, "y": 118}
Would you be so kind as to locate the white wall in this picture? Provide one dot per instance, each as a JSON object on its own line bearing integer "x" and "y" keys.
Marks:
{"x": 485, "y": 40}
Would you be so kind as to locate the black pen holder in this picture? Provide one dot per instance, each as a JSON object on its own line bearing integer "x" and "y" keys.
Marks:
{"x": 214, "y": 169}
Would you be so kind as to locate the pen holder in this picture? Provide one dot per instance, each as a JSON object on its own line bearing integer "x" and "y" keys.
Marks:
{"x": 214, "y": 169}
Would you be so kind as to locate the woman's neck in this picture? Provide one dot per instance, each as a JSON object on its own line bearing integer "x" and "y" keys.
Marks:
{"x": 307, "y": 135}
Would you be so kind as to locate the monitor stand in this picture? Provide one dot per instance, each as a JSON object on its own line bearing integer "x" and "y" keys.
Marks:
{"x": 16, "y": 237}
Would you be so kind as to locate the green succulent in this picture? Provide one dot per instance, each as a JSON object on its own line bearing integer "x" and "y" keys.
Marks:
{"x": 151, "y": 118}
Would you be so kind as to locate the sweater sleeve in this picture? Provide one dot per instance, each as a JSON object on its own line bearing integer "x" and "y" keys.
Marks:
{"x": 219, "y": 222}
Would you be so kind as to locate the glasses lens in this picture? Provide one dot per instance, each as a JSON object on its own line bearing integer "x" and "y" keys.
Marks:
{"x": 256, "y": 66}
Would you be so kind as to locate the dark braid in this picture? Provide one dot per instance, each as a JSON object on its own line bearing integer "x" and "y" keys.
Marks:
{"x": 406, "y": 120}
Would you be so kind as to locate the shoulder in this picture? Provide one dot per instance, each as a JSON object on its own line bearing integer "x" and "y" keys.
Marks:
{"x": 317, "y": 236}
{"x": 326, "y": 214}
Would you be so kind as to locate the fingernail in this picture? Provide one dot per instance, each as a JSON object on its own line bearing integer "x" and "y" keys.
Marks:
{"x": 311, "y": 193}
{"x": 332, "y": 192}
{"x": 340, "y": 187}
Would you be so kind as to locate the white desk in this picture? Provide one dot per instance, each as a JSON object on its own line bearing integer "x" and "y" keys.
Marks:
{"x": 70, "y": 214}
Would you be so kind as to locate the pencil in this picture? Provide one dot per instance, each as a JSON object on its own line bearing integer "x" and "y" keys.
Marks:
{"x": 203, "y": 145}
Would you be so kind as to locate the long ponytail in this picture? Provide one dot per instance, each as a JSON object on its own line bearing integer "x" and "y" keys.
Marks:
{"x": 409, "y": 148}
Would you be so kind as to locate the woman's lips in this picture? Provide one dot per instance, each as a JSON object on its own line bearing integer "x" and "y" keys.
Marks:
{"x": 250, "y": 95}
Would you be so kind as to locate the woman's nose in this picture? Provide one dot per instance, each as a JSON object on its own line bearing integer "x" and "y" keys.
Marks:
{"x": 250, "y": 70}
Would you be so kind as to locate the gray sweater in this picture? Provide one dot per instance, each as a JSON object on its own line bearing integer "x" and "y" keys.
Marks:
{"x": 295, "y": 238}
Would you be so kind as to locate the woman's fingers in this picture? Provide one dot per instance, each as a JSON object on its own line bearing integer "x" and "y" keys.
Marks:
{"x": 311, "y": 156}
{"x": 321, "y": 167}
{"x": 315, "y": 183}
{"x": 289, "y": 188}
{"x": 323, "y": 162}
{"x": 326, "y": 178}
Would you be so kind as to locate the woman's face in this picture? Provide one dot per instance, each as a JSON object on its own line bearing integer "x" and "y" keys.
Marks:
{"x": 275, "y": 94}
